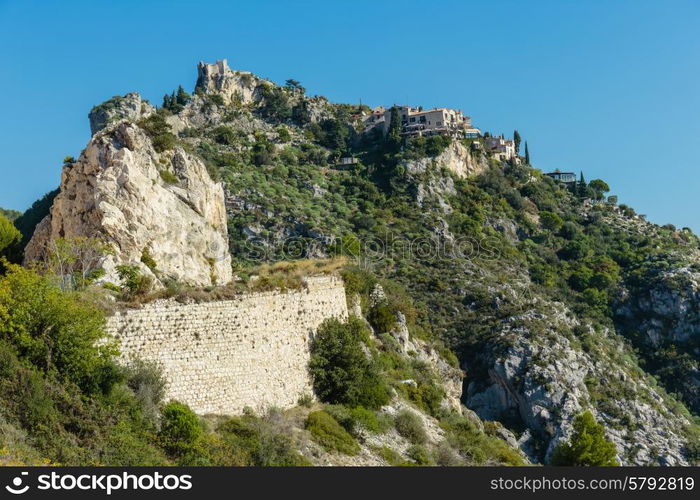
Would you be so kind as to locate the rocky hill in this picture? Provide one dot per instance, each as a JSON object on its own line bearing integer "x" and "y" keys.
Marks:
{"x": 159, "y": 211}
{"x": 554, "y": 298}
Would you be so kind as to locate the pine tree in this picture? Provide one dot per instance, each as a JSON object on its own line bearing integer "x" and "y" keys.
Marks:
{"x": 588, "y": 445}
{"x": 516, "y": 140}
{"x": 182, "y": 96}
{"x": 166, "y": 101}
{"x": 527, "y": 154}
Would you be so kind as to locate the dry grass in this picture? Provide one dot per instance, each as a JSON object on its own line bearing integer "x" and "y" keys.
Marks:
{"x": 279, "y": 276}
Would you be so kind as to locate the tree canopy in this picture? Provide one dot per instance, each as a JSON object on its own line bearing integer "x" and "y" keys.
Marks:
{"x": 588, "y": 445}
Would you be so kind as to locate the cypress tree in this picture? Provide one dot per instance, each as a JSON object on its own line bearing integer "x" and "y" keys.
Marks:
{"x": 581, "y": 188}
{"x": 516, "y": 140}
{"x": 527, "y": 154}
{"x": 393, "y": 137}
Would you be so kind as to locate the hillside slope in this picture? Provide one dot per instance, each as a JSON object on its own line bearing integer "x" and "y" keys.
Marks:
{"x": 555, "y": 300}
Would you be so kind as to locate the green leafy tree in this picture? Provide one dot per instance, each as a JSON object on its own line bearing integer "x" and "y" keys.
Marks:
{"x": 75, "y": 262}
{"x": 9, "y": 234}
{"x": 588, "y": 445}
{"x": 342, "y": 373}
{"x": 26, "y": 223}
{"x": 180, "y": 430}
{"x": 551, "y": 221}
{"x": 294, "y": 85}
{"x": 182, "y": 97}
{"x": 599, "y": 187}
{"x": 54, "y": 330}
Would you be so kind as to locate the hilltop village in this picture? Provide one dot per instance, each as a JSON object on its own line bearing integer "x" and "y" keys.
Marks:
{"x": 417, "y": 122}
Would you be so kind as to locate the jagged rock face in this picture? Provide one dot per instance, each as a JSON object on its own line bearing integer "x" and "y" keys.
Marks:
{"x": 456, "y": 158}
{"x": 666, "y": 312}
{"x": 668, "y": 308}
{"x": 129, "y": 107}
{"x": 233, "y": 86}
{"x": 116, "y": 192}
{"x": 543, "y": 379}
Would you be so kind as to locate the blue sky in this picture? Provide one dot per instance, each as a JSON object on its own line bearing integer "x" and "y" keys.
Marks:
{"x": 607, "y": 87}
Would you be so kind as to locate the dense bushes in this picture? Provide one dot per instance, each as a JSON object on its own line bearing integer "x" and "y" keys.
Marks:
{"x": 341, "y": 370}
{"x": 476, "y": 447}
{"x": 159, "y": 131}
{"x": 180, "y": 428}
{"x": 250, "y": 440}
{"x": 330, "y": 434}
{"x": 410, "y": 426}
{"x": 54, "y": 330}
{"x": 9, "y": 235}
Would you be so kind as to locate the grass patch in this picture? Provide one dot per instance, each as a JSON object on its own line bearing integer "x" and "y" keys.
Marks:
{"x": 330, "y": 434}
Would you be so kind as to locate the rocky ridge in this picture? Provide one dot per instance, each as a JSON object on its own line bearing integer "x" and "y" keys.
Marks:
{"x": 141, "y": 202}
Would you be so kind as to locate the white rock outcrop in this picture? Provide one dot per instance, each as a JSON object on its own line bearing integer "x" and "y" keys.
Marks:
{"x": 456, "y": 157}
{"x": 139, "y": 201}
{"x": 129, "y": 107}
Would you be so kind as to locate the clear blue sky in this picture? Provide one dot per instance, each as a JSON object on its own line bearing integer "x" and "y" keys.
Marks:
{"x": 608, "y": 87}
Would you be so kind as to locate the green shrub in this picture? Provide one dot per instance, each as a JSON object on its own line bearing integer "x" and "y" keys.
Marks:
{"x": 249, "y": 440}
{"x": 420, "y": 455}
{"x": 474, "y": 446}
{"x": 159, "y": 131}
{"x": 588, "y": 445}
{"x": 410, "y": 426}
{"x": 427, "y": 396}
{"x": 330, "y": 434}
{"x": 225, "y": 135}
{"x": 55, "y": 331}
{"x": 216, "y": 99}
{"x": 341, "y": 371}
{"x": 283, "y": 133}
{"x": 382, "y": 317}
{"x": 9, "y": 234}
{"x": 180, "y": 429}
{"x": 148, "y": 260}
{"x": 354, "y": 420}
{"x": 169, "y": 177}
{"x": 147, "y": 381}
{"x": 392, "y": 457}
{"x": 306, "y": 400}
{"x": 134, "y": 284}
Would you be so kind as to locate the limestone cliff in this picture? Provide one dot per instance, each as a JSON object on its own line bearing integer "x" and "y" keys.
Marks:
{"x": 129, "y": 107}
{"x": 456, "y": 158}
{"x": 141, "y": 202}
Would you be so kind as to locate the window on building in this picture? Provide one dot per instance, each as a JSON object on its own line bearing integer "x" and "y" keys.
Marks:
{"x": 413, "y": 119}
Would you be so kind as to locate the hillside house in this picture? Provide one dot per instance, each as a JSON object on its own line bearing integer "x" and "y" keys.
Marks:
{"x": 567, "y": 178}
{"x": 416, "y": 122}
{"x": 346, "y": 163}
{"x": 502, "y": 149}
